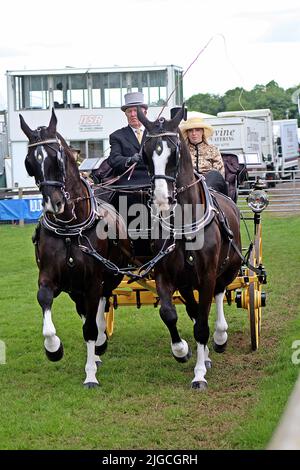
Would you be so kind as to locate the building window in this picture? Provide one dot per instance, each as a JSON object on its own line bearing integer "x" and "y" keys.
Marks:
{"x": 112, "y": 90}
{"x": 78, "y": 92}
{"x": 179, "y": 87}
{"x": 97, "y": 87}
{"x": 157, "y": 81}
{"x": 95, "y": 148}
{"x": 70, "y": 91}
{"x": 108, "y": 89}
{"x": 88, "y": 148}
{"x": 31, "y": 92}
{"x": 60, "y": 87}
{"x": 79, "y": 146}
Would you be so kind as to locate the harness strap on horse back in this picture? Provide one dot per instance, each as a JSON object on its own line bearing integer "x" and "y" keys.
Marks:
{"x": 228, "y": 234}
{"x": 69, "y": 259}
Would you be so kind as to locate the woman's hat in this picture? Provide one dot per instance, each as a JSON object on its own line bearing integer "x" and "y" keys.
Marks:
{"x": 196, "y": 123}
{"x": 134, "y": 99}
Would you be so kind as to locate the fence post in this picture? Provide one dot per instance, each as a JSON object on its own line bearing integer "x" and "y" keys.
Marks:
{"x": 21, "y": 221}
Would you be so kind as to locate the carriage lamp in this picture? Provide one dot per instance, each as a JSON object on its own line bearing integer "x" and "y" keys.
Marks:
{"x": 257, "y": 200}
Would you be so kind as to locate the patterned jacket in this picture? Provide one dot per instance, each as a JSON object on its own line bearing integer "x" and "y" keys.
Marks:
{"x": 206, "y": 157}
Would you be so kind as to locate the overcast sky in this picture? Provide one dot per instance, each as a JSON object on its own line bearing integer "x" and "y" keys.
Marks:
{"x": 253, "y": 41}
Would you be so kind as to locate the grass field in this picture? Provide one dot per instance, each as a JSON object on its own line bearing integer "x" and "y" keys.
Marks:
{"x": 145, "y": 400}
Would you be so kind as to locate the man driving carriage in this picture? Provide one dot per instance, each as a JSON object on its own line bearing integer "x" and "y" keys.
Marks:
{"x": 126, "y": 144}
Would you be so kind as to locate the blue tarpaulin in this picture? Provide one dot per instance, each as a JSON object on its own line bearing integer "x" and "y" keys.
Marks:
{"x": 20, "y": 209}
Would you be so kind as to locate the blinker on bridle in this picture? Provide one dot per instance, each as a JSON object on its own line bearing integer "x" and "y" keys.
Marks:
{"x": 60, "y": 158}
{"x": 159, "y": 149}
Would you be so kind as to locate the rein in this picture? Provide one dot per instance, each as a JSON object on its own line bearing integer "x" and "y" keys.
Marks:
{"x": 142, "y": 271}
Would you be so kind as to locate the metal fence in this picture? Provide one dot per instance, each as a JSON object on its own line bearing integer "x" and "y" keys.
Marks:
{"x": 283, "y": 193}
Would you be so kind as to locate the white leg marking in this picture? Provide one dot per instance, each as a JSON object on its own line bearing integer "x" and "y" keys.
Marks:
{"x": 101, "y": 323}
{"x": 180, "y": 349}
{"x": 206, "y": 352}
{"x": 90, "y": 366}
{"x": 161, "y": 188}
{"x": 200, "y": 369}
{"x": 220, "y": 334}
{"x": 52, "y": 342}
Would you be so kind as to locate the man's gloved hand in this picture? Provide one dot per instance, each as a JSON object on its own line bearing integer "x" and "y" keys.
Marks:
{"x": 136, "y": 158}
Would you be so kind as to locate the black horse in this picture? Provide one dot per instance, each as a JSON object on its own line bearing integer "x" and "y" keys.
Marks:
{"x": 72, "y": 218}
{"x": 203, "y": 250}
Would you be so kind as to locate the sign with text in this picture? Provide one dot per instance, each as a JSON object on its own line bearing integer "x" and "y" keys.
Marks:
{"x": 90, "y": 122}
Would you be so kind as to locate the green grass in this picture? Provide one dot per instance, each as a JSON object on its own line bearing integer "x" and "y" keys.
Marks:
{"x": 145, "y": 400}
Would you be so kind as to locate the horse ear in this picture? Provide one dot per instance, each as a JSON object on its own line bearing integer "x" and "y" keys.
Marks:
{"x": 25, "y": 128}
{"x": 52, "y": 123}
{"x": 181, "y": 114}
{"x": 143, "y": 119}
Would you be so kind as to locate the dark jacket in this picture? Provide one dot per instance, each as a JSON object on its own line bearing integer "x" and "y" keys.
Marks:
{"x": 124, "y": 145}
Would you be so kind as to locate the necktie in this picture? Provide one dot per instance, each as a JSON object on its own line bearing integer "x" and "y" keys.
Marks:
{"x": 139, "y": 135}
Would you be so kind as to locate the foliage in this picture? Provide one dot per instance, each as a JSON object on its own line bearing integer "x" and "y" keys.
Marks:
{"x": 272, "y": 96}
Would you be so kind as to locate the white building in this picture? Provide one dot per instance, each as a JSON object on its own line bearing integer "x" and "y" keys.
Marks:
{"x": 87, "y": 104}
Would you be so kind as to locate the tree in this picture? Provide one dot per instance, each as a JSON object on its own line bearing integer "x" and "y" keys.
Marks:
{"x": 283, "y": 103}
{"x": 205, "y": 103}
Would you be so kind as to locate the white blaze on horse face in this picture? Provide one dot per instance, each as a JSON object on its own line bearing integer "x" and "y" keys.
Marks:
{"x": 161, "y": 199}
{"x": 48, "y": 207}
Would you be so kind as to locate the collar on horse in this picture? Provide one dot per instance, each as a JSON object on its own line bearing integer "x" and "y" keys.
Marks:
{"x": 76, "y": 229}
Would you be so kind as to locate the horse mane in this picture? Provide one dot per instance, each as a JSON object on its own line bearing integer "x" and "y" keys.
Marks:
{"x": 186, "y": 169}
{"x": 65, "y": 145}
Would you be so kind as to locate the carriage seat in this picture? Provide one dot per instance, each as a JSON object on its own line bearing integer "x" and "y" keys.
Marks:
{"x": 235, "y": 173}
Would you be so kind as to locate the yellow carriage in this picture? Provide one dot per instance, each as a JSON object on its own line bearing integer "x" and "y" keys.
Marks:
{"x": 246, "y": 290}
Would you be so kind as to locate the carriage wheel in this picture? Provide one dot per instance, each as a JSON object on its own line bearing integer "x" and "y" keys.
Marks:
{"x": 110, "y": 318}
{"x": 255, "y": 292}
{"x": 255, "y": 315}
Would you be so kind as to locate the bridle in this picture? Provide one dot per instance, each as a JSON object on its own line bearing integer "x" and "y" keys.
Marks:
{"x": 158, "y": 149}
{"x": 60, "y": 155}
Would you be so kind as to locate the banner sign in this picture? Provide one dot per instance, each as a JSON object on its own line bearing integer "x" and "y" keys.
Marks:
{"x": 20, "y": 209}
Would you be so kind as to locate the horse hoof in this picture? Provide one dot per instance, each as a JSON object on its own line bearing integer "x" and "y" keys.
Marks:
{"x": 90, "y": 385}
{"x": 202, "y": 386}
{"x": 219, "y": 348}
{"x": 208, "y": 365}
{"x": 99, "y": 350}
{"x": 56, "y": 355}
{"x": 184, "y": 358}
